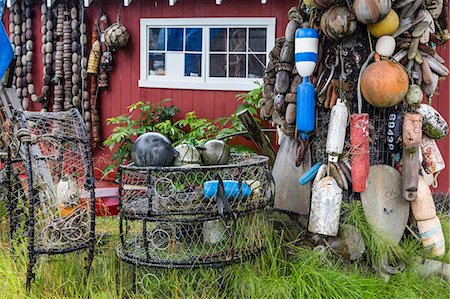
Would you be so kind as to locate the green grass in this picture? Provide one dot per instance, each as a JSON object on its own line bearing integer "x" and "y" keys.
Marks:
{"x": 286, "y": 269}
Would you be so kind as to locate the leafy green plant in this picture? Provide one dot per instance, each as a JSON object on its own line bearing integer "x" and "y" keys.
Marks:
{"x": 158, "y": 117}
{"x": 143, "y": 117}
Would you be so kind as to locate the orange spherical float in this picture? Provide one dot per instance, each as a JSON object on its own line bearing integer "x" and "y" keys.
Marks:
{"x": 384, "y": 83}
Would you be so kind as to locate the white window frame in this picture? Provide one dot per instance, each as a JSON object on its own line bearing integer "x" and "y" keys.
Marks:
{"x": 204, "y": 82}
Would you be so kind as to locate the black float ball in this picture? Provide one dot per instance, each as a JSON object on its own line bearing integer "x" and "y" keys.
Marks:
{"x": 153, "y": 149}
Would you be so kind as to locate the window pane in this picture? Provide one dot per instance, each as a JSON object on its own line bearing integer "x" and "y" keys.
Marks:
{"x": 175, "y": 39}
{"x": 156, "y": 64}
{"x": 256, "y": 65}
{"x": 218, "y": 65}
{"x": 218, "y": 39}
{"x": 237, "y": 65}
{"x": 257, "y": 39}
{"x": 157, "y": 39}
{"x": 193, "y": 65}
{"x": 194, "y": 39}
{"x": 238, "y": 39}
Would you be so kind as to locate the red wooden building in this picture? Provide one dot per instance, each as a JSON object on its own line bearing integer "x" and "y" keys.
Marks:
{"x": 167, "y": 35}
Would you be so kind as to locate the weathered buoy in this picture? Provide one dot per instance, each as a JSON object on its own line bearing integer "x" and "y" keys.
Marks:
{"x": 432, "y": 160}
{"x": 336, "y": 131}
{"x": 423, "y": 207}
{"x": 371, "y": 11}
{"x": 434, "y": 125}
{"x": 394, "y": 131}
{"x": 410, "y": 172}
{"x": 326, "y": 203}
{"x": 387, "y": 26}
{"x": 431, "y": 235}
{"x": 385, "y": 46}
{"x": 384, "y": 83}
{"x": 359, "y": 138}
{"x": 412, "y": 130}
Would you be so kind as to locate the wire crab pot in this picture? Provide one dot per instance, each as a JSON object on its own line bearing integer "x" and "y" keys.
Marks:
{"x": 50, "y": 184}
{"x": 192, "y": 216}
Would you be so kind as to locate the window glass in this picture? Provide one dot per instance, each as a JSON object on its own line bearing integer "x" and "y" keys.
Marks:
{"x": 175, "y": 39}
{"x": 218, "y": 65}
{"x": 194, "y": 39}
{"x": 218, "y": 39}
{"x": 257, "y": 39}
{"x": 256, "y": 65}
{"x": 193, "y": 65}
{"x": 157, "y": 64}
{"x": 238, "y": 40}
{"x": 237, "y": 65}
{"x": 157, "y": 39}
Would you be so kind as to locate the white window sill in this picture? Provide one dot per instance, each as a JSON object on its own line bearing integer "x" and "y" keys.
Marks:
{"x": 238, "y": 85}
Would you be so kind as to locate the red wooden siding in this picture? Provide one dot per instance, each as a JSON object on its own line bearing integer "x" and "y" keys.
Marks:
{"x": 124, "y": 77}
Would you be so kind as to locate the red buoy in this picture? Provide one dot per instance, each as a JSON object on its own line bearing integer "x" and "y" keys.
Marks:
{"x": 359, "y": 138}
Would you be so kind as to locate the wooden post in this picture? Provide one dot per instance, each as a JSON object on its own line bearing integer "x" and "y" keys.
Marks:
{"x": 260, "y": 139}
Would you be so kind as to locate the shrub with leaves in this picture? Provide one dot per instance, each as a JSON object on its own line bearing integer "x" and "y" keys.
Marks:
{"x": 150, "y": 117}
{"x": 142, "y": 118}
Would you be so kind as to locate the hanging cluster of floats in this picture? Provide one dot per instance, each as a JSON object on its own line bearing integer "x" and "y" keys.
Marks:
{"x": 401, "y": 71}
{"x": 65, "y": 66}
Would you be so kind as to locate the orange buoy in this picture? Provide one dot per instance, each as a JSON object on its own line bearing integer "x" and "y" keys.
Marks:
{"x": 384, "y": 83}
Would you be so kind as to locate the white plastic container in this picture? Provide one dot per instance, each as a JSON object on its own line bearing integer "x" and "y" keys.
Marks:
{"x": 336, "y": 131}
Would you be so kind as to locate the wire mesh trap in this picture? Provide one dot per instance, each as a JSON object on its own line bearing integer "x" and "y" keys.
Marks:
{"x": 192, "y": 216}
{"x": 49, "y": 178}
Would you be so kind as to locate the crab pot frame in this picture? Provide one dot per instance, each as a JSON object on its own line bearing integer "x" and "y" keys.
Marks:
{"x": 182, "y": 217}
{"x": 51, "y": 193}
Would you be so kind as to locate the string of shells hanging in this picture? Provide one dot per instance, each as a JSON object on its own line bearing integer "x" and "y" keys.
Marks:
{"x": 86, "y": 106}
{"x": 21, "y": 36}
{"x": 58, "y": 102}
{"x": 47, "y": 53}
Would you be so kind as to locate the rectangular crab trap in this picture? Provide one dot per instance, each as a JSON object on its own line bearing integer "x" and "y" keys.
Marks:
{"x": 188, "y": 216}
{"x": 50, "y": 184}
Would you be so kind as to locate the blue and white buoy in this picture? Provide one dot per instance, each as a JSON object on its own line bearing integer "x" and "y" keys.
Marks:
{"x": 306, "y": 48}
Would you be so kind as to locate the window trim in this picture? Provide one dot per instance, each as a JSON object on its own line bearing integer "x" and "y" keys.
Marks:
{"x": 204, "y": 82}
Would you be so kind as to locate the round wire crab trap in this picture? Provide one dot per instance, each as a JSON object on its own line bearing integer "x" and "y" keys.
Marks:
{"x": 188, "y": 216}
{"x": 51, "y": 198}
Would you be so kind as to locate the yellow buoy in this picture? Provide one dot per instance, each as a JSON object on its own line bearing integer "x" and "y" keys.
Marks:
{"x": 387, "y": 26}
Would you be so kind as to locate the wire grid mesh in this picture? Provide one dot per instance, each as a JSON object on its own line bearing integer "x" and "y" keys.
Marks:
{"x": 171, "y": 218}
{"x": 379, "y": 153}
{"x": 50, "y": 161}
{"x": 192, "y": 242}
{"x": 180, "y": 190}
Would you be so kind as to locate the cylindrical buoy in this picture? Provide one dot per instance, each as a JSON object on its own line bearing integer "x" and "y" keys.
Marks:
{"x": 431, "y": 235}
{"x": 410, "y": 172}
{"x": 359, "y": 138}
{"x": 336, "y": 131}
{"x": 306, "y": 48}
{"x": 326, "y": 203}
{"x": 433, "y": 162}
{"x": 394, "y": 131}
{"x": 305, "y": 117}
{"x": 412, "y": 130}
{"x": 423, "y": 207}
